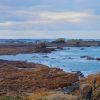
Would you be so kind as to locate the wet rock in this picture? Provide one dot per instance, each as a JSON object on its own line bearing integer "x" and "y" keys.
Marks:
{"x": 80, "y": 74}
{"x": 82, "y": 49}
{"x": 71, "y": 88}
{"x": 45, "y": 56}
{"x": 61, "y": 48}
{"x": 68, "y": 48}
{"x": 70, "y": 58}
{"x": 98, "y": 59}
{"x": 84, "y": 56}
{"x": 88, "y": 57}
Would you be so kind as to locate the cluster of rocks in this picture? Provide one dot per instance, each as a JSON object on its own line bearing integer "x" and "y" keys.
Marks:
{"x": 43, "y": 47}
{"x": 74, "y": 43}
{"x": 90, "y": 58}
{"x": 89, "y": 89}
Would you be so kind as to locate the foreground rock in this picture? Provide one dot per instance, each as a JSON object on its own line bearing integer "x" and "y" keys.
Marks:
{"x": 41, "y": 82}
{"x": 86, "y": 92}
{"x": 22, "y": 78}
{"x": 94, "y": 82}
{"x": 90, "y": 90}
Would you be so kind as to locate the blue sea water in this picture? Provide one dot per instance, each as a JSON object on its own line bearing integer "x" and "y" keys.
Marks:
{"x": 33, "y": 40}
{"x": 23, "y": 40}
{"x": 67, "y": 59}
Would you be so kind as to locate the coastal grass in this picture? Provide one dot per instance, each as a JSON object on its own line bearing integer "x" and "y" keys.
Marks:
{"x": 52, "y": 95}
{"x": 10, "y": 98}
{"x": 14, "y": 98}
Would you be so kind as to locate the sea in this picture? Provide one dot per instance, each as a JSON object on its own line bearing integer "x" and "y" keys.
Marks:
{"x": 69, "y": 59}
{"x": 34, "y": 40}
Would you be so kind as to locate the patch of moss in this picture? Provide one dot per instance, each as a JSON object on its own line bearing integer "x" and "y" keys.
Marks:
{"x": 10, "y": 98}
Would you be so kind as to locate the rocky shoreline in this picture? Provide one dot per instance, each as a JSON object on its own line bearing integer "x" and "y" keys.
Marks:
{"x": 32, "y": 81}
{"x": 43, "y": 47}
{"x": 23, "y": 78}
{"x": 16, "y": 80}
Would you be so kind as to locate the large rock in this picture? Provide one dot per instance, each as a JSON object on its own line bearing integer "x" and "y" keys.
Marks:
{"x": 94, "y": 82}
{"x": 98, "y": 59}
{"x": 86, "y": 92}
{"x": 88, "y": 57}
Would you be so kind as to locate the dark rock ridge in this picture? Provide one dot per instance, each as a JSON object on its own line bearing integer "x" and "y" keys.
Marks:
{"x": 90, "y": 58}
{"x": 74, "y": 43}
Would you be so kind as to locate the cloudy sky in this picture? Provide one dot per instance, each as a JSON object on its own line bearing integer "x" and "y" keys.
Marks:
{"x": 50, "y": 19}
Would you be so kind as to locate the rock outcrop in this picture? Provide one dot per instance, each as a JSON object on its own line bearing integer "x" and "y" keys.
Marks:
{"x": 94, "y": 82}
{"x": 87, "y": 57}
{"x": 86, "y": 92}
{"x": 98, "y": 59}
{"x": 90, "y": 89}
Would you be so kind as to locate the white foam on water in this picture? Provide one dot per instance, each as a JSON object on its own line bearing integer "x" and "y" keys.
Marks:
{"x": 68, "y": 60}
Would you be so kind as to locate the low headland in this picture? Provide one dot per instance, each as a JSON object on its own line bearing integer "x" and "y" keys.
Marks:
{"x": 13, "y": 48}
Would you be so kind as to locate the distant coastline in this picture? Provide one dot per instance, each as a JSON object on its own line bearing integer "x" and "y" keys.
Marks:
{"x": 42, "y": 40}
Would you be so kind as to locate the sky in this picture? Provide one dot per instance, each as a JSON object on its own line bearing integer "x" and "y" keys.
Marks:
{"x": 50, "y": 19}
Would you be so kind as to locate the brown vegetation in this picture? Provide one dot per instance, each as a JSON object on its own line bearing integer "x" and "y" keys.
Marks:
{"x": 52, "y": 95}
{"x": 15, "y": 79}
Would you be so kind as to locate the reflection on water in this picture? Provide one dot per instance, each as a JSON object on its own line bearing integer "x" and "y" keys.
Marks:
{"x": 67, "y": 59}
